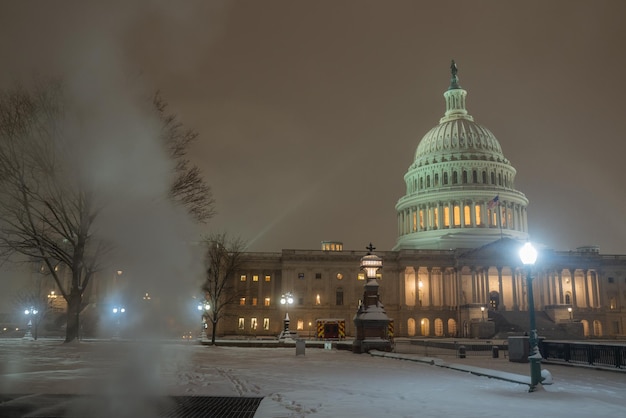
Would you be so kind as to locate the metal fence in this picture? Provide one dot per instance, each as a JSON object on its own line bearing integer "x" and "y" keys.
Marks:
{"x": 596, "y": 354}
{"x": 436, "y": 348}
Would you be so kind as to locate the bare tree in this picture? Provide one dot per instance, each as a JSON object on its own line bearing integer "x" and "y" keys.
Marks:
{"x": 189, "y": 187}
{"x": 223, "y": 259}
{"x": 48, "y": 211}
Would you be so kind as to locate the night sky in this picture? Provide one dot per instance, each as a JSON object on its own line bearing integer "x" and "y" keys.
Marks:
{"x": 309, "y": 113}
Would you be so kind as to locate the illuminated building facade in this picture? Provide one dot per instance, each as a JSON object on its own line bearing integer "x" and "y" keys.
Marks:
{"x": 455, "y": 269}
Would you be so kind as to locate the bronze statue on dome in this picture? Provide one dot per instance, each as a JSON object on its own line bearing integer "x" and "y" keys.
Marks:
{"x": 454, "y": 81}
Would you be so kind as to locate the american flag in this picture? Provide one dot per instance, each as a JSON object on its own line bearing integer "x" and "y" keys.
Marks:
{"x": 493, "y": 202}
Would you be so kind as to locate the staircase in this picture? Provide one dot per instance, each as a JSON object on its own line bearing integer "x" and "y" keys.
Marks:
{"x": 517, "y": 323}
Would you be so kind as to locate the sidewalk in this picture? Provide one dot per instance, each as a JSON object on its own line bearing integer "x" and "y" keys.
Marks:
{"x": 503, "y": 369}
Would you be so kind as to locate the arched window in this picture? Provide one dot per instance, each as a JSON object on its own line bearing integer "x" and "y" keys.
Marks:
{"x": 410, "y": 324}
{"x": 467, "y": 214}
{"x": 568, "y": 298}
{"x": 436, "y": 180}
{"x": 438, "y": 327}
{"x": 425, "y": 327}
{"x": 446, "y": 216}
{"x": 457, "y": 215}
{"x": 455, "y": 177}
{"x": 451, "y": 328}
{"x": 494, "y": 300}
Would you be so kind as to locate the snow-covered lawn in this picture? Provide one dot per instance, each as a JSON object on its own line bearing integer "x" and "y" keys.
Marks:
{"x": 323, "y": 383}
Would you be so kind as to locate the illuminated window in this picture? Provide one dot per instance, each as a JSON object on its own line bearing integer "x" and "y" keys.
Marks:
{"x": 243, "y": 277}
{"x": 266, "y": 324}
{"x": 446, "y": 217}
{"x": 254, "y": 300}
{"x": 268, "y": 278}
{"x": 478, "y": 215}
{"x": 457, "y": 215}
{"x": 421, "y": 219}
{"x": 255, "y": 278}
{"x": 241, "y": 323}
{"x": 300, "y": 325}
{"x": 468, "y": 216}
{"x": 414, "y": 221}
{"x": 242, "y": 301}
{"x": 253, "y": 323}
{"x": 318, "y": 301}
{"x": 267, "y": 302}
{"x": 361, "y": 276}
{"x": 439, "y": 322}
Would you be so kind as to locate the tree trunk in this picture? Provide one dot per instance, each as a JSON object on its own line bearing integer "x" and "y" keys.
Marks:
{"x": 214, "y": 322}
{"x": 73, "y": 315}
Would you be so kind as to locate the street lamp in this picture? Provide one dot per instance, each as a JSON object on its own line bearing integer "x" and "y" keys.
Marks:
{"x": 286, "y": 299}
{"x": 482, "y": 313}
{"x": 528, "y": 255}
{"x": 117, "y": 312}
{"x": 570, "y": 313}
{"x": 28, "y": 312}
{"x": 204, "y": 307}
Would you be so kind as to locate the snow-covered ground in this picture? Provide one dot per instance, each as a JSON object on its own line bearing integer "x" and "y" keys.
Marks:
{"x": 322, "y": 383}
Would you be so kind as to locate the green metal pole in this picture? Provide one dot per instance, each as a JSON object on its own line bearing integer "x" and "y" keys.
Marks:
{"x": 534, "y": 356}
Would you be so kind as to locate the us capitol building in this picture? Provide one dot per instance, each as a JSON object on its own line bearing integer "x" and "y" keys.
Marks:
{"x": 455, "y": 269}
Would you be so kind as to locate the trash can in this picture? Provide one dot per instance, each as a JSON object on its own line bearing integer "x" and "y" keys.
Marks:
{"x": 300, "y": 347}
{"x": 461, "y": 351}
{"x": 495, "y": 351}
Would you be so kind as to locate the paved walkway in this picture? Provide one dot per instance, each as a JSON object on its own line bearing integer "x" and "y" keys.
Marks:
{"x": 503, "y": 369}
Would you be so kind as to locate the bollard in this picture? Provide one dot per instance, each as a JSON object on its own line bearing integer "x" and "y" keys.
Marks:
{"x": 495, "y": 351}
{"x": 300, "y": 347}
{"x": 462, "y": 351}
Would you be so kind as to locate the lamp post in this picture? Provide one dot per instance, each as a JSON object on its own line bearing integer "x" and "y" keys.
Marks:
{"x": 117, "y": 312}
{"x": 528, "y": 255}
{"x": 570, "y": 313}
{"x": 31, "y": 314}
{"x": 286, "y": 299}
{"x": 204, "y": 307}
{"x": 371, "y": 321}
{"x": 482, "y": 313}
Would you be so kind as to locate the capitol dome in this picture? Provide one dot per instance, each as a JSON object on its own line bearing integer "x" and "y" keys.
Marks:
{"x": 460, "y": 187}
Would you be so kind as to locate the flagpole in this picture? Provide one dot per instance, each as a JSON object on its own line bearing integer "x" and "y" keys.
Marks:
{"x": 500, "y": 218}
